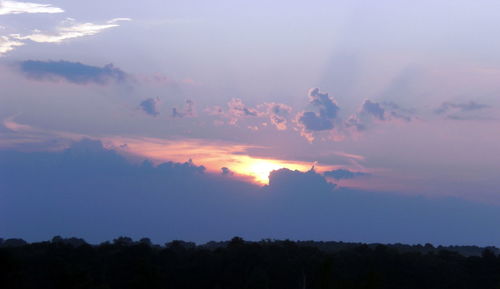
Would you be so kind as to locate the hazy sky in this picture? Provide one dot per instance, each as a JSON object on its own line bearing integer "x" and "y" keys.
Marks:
{"x": 395, "y": 97}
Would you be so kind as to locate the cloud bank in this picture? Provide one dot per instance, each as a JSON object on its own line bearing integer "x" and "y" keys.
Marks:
{"x": 96, "y": 194}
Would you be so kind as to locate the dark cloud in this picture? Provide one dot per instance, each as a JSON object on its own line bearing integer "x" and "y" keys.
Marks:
{"x": 324, "y": 118}
{"x": 74, "y": 72}
{"x": 313, "y": 122}
{"x": 149, "y": 106}
{"x": 340, "y": 174}
{"x": 225, "y": 171}
{"x": 286, "y": 181}
{"x": 187, "y": 111}
{"x": 327, "y": 106}
{"x": 374, "y": 109}
{"x": 378, "y": 111}
{"x": 95, "y": 193}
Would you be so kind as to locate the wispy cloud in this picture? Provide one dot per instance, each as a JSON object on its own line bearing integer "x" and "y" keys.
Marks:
{"x": 341, "y": 174}
{"x": 7, "y": 44}
{"x": 460, "y": 111}
{"x": 462, "y": 107}
{"x": 371, "y": 111}
{"x": 16, "y": 7}
{"x": 70, "y": 30}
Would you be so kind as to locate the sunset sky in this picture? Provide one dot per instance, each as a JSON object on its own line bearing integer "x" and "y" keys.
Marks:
{"x": 378, "y": 121}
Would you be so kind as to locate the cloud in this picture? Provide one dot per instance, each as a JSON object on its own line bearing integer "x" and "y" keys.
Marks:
{"x": 149, "y": 106}
{"x": 70, "y": 30}
{"x": 287, "y": 180}
{"x": 374, "y": 109}
{"x": 340, "y": 174}
{"x": 187, "y": 111}
{"x": 460, "y": 111}
{"x": 278, "y": 114}
{"x": 324, "y": 119}
{"x": 74, "y": 72}
{"x": 15, "y": 7}
{"x": 312, "y": 122}
{"x": 7, "y": 44}
{"x": 101, "y": 195}
{"x": 371, "y": 111}
{"x": 226, "y": 171}
{"x": 236, "y": 110}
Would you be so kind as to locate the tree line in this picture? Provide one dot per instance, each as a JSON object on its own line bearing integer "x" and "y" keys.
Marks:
{"x": 239, "y": 264}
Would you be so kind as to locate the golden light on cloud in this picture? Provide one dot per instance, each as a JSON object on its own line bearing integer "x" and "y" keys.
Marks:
{"x": 213, "y": 155}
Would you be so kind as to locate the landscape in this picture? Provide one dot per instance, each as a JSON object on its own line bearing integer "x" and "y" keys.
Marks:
{"x": 249, "y": 144}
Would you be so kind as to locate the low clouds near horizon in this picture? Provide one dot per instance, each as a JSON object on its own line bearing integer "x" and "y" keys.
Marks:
{"x": 100, "y": 195}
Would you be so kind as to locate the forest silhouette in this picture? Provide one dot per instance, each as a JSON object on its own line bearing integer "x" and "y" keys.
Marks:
{"x": 239, "y": 264}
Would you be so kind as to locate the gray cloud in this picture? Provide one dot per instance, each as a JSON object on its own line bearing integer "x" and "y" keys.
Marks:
{"x": 149, "y": 106}
{"x": 324, "y": 118}
{"x": 104, "y": 195}
{"x": 378, "y": 111}
{"x": 453, "y": 107}
{"x": 312, "y": 122}
{"x": 374, "y": 109}
{"x": 74, "y": 72}
{"x": 187, "y": 111}
{"x": 340, "y": 174}
{"x": 225, "y": 171}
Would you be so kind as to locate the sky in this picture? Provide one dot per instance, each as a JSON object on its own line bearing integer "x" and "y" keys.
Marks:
{"x": 196, "y": 120}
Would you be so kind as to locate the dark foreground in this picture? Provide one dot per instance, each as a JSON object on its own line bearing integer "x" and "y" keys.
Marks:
{"x": 71, "y": 263}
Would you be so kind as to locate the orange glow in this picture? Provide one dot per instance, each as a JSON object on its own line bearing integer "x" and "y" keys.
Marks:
{"x": 260, "y": 169}
{"x": 212, "y": 155}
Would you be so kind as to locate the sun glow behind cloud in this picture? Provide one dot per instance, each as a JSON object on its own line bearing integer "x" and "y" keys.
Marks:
{"x": 211, "y": 154}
